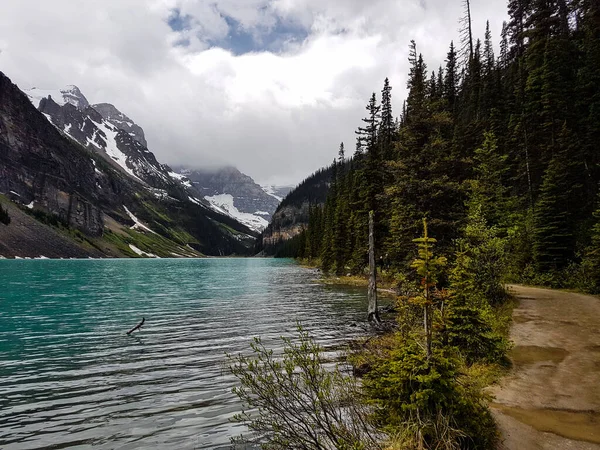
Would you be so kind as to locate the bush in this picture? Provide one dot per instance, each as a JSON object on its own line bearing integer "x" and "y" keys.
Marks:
{"x": 295, "y": 402}
{"x": 422, "y": 403}
{"x": 468, "y": 330}
{"x": 4, "y": 217}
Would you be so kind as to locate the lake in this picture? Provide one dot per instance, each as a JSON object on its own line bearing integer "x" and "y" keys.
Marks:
{"x": 70, "y": 376}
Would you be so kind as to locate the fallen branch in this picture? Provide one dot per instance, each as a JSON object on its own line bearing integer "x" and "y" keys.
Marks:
{"x": 137, "y": 327}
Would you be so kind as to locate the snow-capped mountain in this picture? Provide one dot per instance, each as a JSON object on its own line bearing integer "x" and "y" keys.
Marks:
{"x": 121, "y": 121}
{"x": 230, "y": 191}
{"x": 105, "y": 130}
{"x": 68, "y": 95}
{"x": 62, "y": 164}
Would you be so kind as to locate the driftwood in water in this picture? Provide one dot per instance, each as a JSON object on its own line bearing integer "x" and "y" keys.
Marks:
{"x": 372, "y": 293}
{"x": 138, "y": 326}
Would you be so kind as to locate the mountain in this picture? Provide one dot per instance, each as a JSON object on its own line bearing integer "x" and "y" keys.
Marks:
{"x": 279, "y": 192}
{"x": 230, "y": 191}
{"x": 121, "y": 121}
{"x": 292, "y": 214}
{"x": 66, "y": 171}
{"x": 68, "y": 95}
{"x": 73, "y": 115}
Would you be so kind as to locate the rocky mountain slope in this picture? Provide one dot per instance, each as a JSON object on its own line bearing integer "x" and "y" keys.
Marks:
{"x": 102, "y": 134}
{"x": 121, "y": 121}
{"x": 234, "y": 193}
{"x": 71, "y": 170}
{"x": 292, "y": 214}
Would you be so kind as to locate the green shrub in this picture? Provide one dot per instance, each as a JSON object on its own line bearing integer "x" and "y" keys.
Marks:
{"x": 467, "y": 329}
{"x": 422, "y": 403}
{"x": 293, "y": 401}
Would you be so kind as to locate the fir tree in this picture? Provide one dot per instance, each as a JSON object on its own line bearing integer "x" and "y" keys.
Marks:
{"x": 451, "y": 79}
{"x": 553, "y": 237}
{"x": 386, "y": 128}
{"x": 427, "y": 266}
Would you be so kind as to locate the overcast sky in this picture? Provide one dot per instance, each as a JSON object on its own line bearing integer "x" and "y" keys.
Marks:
{"x": 270, "y": 86}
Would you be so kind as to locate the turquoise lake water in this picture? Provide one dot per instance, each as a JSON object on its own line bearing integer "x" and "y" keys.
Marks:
{"x": 70, "y": 377}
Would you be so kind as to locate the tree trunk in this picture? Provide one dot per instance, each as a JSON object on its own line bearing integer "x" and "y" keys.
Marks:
{"x": 428, "y": 336}
{"x": 373, "y": 309}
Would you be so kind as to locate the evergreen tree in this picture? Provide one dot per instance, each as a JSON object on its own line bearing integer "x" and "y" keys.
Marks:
{"x": 341, "y": 154}
{"x": 427, "y": 266}
{"x": 487, "y": 190}
{"x": 387, "y": 129}
{"x": 451, "y": 80}
{"x": 513, "y": 137}
{"x": 553, "y": 237}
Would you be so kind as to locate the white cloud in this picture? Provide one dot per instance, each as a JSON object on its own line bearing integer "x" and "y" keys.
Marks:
{"x": 276, "y": 116}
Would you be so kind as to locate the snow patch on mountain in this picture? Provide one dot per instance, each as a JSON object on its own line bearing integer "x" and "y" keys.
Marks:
{"x": 270, "y": 189}
{"x": 138, "y": 224}
{"x": 112, "y": 149}
{"x": 139, "y": 252}
{"x": 181, "y": 178}
{"x": 69, "y": 94}
{"x": 223, "y": 203}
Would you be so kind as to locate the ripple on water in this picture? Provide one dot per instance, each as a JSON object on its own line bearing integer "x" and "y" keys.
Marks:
{"x": 70, "y": 377}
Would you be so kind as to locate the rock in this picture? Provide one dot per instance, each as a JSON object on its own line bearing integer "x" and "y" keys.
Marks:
{"x": 121, "y": 121}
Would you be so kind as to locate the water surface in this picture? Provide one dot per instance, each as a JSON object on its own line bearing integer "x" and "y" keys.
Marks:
{"x": 71, "y": 377}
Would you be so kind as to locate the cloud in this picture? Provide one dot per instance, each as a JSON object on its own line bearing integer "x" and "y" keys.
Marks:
{"x": 271, "y": 86}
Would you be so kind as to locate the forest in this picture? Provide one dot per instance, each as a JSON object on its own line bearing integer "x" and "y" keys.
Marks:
{"x": 503, "y": 142}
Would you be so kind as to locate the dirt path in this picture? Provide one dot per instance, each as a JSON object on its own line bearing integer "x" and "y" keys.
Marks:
{"x": 551, "y": 399}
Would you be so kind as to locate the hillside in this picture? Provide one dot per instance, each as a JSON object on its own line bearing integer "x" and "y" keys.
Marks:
{"x": 102, "y": 203}
{"x": 292, "y": 214}
{"x": 509, "y": 139}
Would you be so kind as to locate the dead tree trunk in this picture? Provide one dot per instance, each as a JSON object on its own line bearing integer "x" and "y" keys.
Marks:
{"x": 138, "y": 326}
{"x": 373, "y": 308}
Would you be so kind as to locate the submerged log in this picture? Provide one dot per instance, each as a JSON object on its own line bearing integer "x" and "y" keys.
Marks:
{"x": 138, "y": 326}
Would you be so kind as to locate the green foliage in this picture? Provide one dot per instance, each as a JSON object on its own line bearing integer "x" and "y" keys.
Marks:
{"x": 467, "y": 329}
{"x": 589, "y": 276}
{"x": 553, "y": 238}
{"x": 4, "y": 216}
{"x": 426, "y": 265}
{"x": 421, "y": 401}
{"x": 482, "y": 260}
{"x": 515, "y": 136}
{"x": 476, "y": 286}
{"x": 294, "y": 401}
{"x": 48, "y": 218}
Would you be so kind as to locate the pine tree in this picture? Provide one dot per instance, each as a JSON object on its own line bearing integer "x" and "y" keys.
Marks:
{"x": 503, "y": 58}
{"x": 451, "y": 79}
{"x": 588, "y": 94}
{"x": 367, "y": 135}
{"x": 488, "y": 191}
{"x": 554, "y": 243}
{"x": 341, "y": 154}
{"x": 417, "y": 85}
{"x": 488, "y": 52}
{"x": 428, "y": 267}
{"x": 387, "y": 129}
